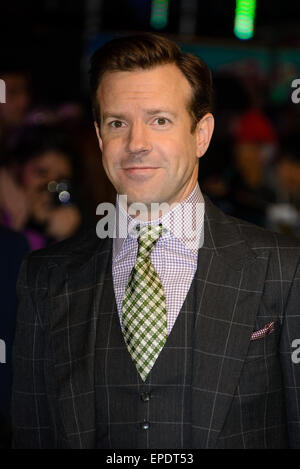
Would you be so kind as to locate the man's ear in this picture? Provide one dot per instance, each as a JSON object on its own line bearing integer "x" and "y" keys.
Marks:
{"x": 204, "y": 131}
{"x": 98, "y": 135}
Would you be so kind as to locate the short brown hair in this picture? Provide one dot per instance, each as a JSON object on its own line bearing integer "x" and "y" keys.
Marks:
{"x": 146, "y": 51}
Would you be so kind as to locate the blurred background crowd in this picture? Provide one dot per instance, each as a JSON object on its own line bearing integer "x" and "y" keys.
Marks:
{"x": 51, "y": 177}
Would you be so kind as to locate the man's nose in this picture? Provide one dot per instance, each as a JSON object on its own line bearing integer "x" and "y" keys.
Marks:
{"x": 138, "y": 138}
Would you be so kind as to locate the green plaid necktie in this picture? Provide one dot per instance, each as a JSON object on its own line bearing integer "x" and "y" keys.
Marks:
{"x": 144, "y": 311}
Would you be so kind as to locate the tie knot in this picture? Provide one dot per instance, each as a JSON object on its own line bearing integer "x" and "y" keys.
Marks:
{"x": 148, "y": 236}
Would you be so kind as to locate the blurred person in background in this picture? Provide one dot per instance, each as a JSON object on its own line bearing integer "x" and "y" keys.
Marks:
{"x": 91, "y": 182}
{"x": 13, "y": 245}
{"x": 35, "y": 183}
{"x": 283, "y": 215}
{"x": 254, "y": 150}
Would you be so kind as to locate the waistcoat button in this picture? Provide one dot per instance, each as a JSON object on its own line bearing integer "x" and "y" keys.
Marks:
{"x": 145, "y": 425}
{"x": 145, "y": 396}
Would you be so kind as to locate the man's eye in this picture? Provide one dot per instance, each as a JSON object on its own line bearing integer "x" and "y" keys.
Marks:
{"x": 161, "y": 121}
{"x": 116, "y": 124}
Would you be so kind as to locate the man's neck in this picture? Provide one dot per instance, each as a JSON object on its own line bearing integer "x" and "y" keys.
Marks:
{"x": 155, "y": 210}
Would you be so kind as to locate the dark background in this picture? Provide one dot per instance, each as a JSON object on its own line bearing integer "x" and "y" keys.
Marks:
{"x": 51, "y": 36}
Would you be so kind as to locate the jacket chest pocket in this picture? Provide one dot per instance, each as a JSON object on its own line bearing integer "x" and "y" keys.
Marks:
{"x": 264, "y": 342}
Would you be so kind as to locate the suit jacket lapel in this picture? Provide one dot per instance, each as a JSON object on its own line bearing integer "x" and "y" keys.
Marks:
{"x": 75, "y": 291}
{"x": 230, "y": 279}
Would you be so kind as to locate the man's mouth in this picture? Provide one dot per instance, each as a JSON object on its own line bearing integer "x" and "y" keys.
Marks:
{"x": 140, "y": 167}
{"x": 140, "y": 170}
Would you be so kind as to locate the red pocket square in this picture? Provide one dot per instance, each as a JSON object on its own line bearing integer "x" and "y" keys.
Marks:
{"x": 267, "y": 329}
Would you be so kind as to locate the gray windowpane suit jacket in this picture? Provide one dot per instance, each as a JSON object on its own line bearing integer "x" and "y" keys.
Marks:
{"x": 246, "y": 278}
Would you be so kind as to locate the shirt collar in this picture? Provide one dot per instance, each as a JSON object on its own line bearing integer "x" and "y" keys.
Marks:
{"x": 176, "y": 222}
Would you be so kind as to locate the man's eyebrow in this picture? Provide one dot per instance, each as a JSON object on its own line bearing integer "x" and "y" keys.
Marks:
{"x": 152, "y": 112}
{"x": 109, "y": 115}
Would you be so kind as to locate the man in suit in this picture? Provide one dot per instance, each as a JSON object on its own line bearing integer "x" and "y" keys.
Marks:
{"x": 158, "y": 338}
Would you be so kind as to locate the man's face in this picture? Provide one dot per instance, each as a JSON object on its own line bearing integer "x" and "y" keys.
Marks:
{"x": 148, "y": 150}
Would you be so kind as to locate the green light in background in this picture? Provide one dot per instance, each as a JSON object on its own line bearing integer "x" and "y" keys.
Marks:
{"x": 244, "y": 19}
{"x": 159, "y": 14}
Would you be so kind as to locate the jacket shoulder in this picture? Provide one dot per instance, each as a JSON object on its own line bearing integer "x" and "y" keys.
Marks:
{"x": 262, "y": 238}
{"x": 72, "y": 251}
